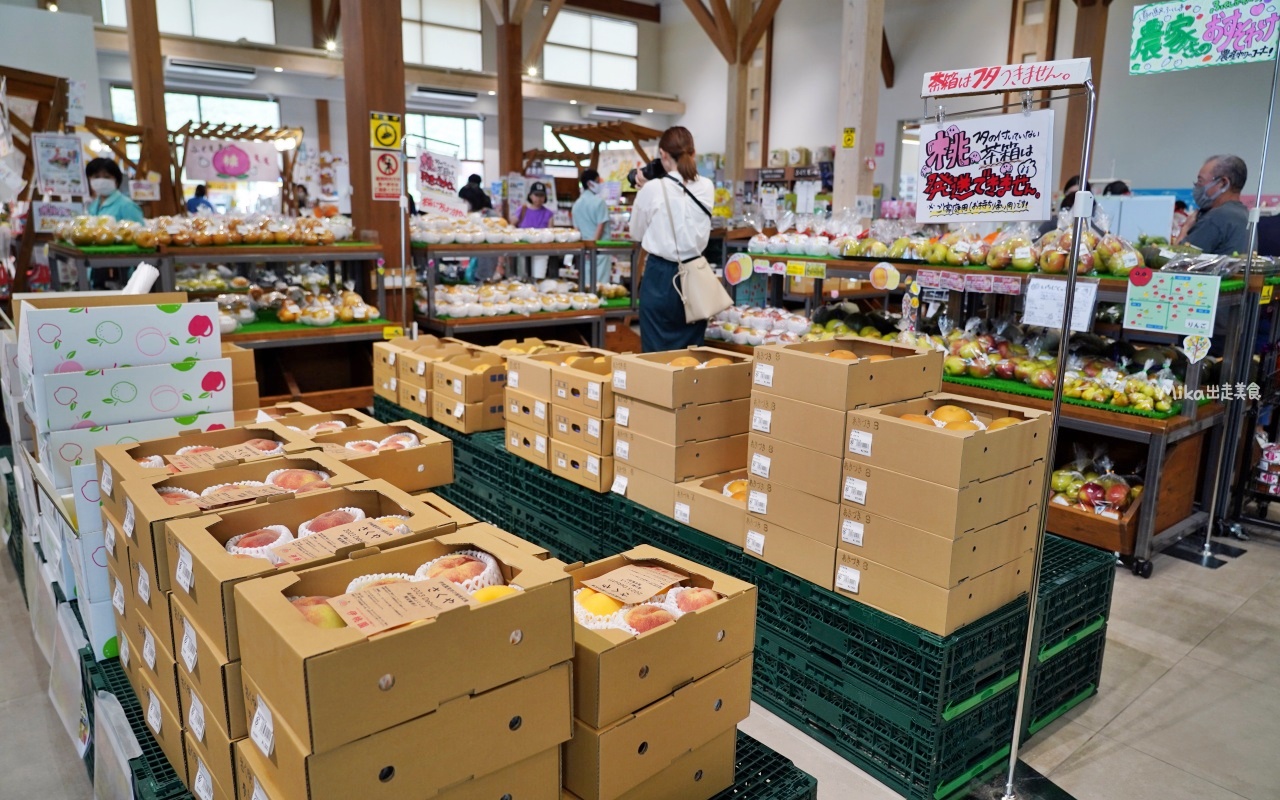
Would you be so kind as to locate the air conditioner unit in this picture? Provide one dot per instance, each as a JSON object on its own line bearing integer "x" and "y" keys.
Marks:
{"x": 609, "y": 112}
{"x": 432, "y": 95}
{"x": 205, "y": 71}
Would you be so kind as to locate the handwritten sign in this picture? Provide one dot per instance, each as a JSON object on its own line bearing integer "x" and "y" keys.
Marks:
{"x": 987, "y": 169}
{"x": 381, "y": 608}
{"x": 214, "y": 159}
{"x": 1173, "y": 303}
{"x": 1007, "y": 78}
{"x": 438, "y": 181}
{"x": 634, "y": 583}
{"x": 1046, "y": 298}
{"x": 1184, "y": 35}
{"x": 327, "y": 542}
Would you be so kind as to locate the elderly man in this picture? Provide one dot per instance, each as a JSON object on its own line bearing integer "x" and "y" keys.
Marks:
{"x": 1222, "y": 222}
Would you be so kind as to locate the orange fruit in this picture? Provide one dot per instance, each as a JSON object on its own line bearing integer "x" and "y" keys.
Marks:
{"x": 952, "y": 414}
{"x": 1003, "y": 422}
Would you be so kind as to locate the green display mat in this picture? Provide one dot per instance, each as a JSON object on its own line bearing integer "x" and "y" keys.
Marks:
{"x": 617, "y": 302}
{"x": 111, "y": 249}
{"x": 270, "y": 326}
{"x": 1020, "y": 388}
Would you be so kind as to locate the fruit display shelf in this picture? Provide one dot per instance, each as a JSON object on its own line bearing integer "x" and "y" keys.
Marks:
{"x": 82, "y": 259}
{"x": 268, "y": 333}
{"x": 589, "y": 322}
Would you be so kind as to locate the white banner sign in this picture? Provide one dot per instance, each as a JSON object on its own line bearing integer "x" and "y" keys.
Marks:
{"x": 1007, "y": 78}
{"x": 50, "y": 213}
{"x": 60, "y": 165}
{"x": 438, "y": 183}
{"x": 214, "y": 160}
{"x": 1047, "y": 298}
{"x": 987, "y": 169}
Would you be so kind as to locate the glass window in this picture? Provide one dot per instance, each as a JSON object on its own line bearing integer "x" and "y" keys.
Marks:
{"x": 454, "y": 13}
{"x": 180, "y": 108}
{"x": 609, "y": 71}
{"x": 566, "y": 64}
{"x": 591, "y": 51}
{"x": 614, "y": 36}
{"x": 450, "y": 48}
{"x": 462, "y": 137}
{"x": 225, "y": 20}
{"x": 442, "y": 33}
{"x": 571, "y": 29}
{"x": 123, "y": 108}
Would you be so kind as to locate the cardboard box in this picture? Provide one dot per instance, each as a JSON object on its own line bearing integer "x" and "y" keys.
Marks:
{"x": 702, "y": 504}
{"x": 687, "y": 424}
{"x": 325, "y": 682}
{"x": 203, "y": 664}
{"x": 582, "y": 430}
{"x": 530, "y": 445}
{"x": 879, "y": 437}
{"x": 606, "y": 763}
{"x": 115, "y": 544}
{"x": 386, "y": 385}
{"x": 468, "y": 417}
{"x": 586, "y": 385}
{"x": 531, "y": 347}
{"x": 417, "y": 366}
{"x": 210, "y": 573}
{"x": 941, "y": 510}
{"x": 798, "y": 510}
{"x": 148, "y": 604}
{"x": 244, "y": 395}
{"x": 536, "y": 550}
{"x": 532, "y": 374}
{"x": 805, "y": 371}
{"x": 207, "y": 742}
{"x": 941, "y": 611}
{"x": 243, "y": 369}
{"x": 528, "y": 410}
{"x": 583, "y": 468}
{"x": 455, "y": 514}
{"x": 414, "y": 399}
{"x": 472, "y": 737}
{"x": 700, "y": 774}
{"x": 680, "y": 462}
{"x": 470, "y": 378}
{"x": 273, "y": 413}
{"x": 200, "y": 777}
{"x": 149, "y": 654}
{"x": 651, "y": 378}
{"x": 797, "y": 553}
{"x": 654, "y": 493}
{"x": 328, "y": 421}
{"x": 815, "y": 428}
{"x": 386, "y": 353}
{"x": 781, "y": 461}
{"x": 163, "y": 721}
{"x": 118, "y": 463}
{"x": 413, "y": 469}
{"x": 616, "y": 674}
{"x": 941, "y": 561}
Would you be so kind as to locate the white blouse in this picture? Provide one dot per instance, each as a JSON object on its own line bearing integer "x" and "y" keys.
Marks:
{"x": 649, "y": 223}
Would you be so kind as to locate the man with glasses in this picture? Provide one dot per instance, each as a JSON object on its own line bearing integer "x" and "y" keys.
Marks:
{"x": 1221, "y": 222}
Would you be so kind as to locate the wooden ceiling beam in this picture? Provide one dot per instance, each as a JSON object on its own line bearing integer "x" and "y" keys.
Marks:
{"x": 708, "y": 25}
{"x": 544, "y": 30}
{"x": 760, "y": 22}
{"x": 521, "y": 10}
{"x": 886, "y": 61}
{"x": 332, "y": 21}
{"x": 728, "y": 30}
{"x": 621, "y": 8}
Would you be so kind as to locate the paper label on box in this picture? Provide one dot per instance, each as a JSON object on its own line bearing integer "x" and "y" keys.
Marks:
{"x": 459, "y": 410}
{"x": 855, "y": 490}
{"x": 124, "y": 648}
{"x": 763, "y": 375}
{"x": 327, "y": 542}
{"x": 593, "y": 465}
{"x": 622, "y": 449}
{"x": 682, "y": 512}
{"x": 263, "y": 729}
{"x": 188, "y": 649}
{"x": 182, "y": 573}
{"x": 563, "y": 425}
{"x": 457, "y": 385}
{"x": 258, "y": 793}
{"x": 758, "y": 502}
{"x": 144, "y": 585}
{"x": 540, "y": 443}
{"x": 513, "y": 379}
{"x": 851, "y": 532}
{"x": 561, "y": 461}
{"x": 194, "y": 461}
{"x": 593, "y": 428}
{"x": 634, "y": 583}
{"x": 149, "y": 649}
{"x": 107, "y": 479}
{"x": 562, "y": 391}
{"x": 619, "y": 379}
{"x": 422, "y": 368}
{"x": 619, "y": 485}
{"x": 381, "y": 608}
{"x": 860, "y": 443}
{"x": 540, "y": 409}
{"x": 761, "y": 420}
{"x": 203, "y": 785}
{"x": 109, "y": 539}
{"x": 235, "y": 494}
{"x": 394, "y": 382}
{"x": 622, "y": 414}
{"x": 593, "y": 391}
{"x": 848, "y": 578}
{"x": 128, "y": 518}
{"x": 391, "y": 358}
{"x": 154, "y": 719}
{"x": 195, "y": 717}
{"x": 515, "y": 441}
{"x": 337, "y": 450}
{"x": 755, "y": 542}
{"x": 422, "y": 395}
{"x": 760, "y": 465}
{"x": 117, "y": 600}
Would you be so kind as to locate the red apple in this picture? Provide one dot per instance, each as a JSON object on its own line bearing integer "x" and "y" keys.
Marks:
{"x": 1092, "y": 494}
{"x": 1118, "y": 495}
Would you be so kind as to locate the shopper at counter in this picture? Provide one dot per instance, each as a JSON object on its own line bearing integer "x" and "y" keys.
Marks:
{"x": 200, "y": 201}
{"x": 1221, "y": 223}
{"x": 536, "y": 214}
{"x": 105, "y": 179}
{"x": 591, "y": 218}
{"x": 474, "y": 195}
{"x": 672, "y": 220}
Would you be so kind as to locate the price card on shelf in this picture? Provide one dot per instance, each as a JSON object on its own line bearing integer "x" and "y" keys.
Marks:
{"x": 1006, "y": 284}
{"x": 1047, "y": 297}
{"x": 978, "y": 283}
{"x": 953, "y": 281}
{"x": 1172, "y": 303}
{"x": 928, "y": 278}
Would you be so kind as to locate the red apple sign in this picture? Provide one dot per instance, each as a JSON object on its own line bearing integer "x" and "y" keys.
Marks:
{"x": 1140, "y": 276}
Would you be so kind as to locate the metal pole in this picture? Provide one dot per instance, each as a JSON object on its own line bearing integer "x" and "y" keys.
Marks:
{"x": 1231, "y": 432}
{"x": 405, "y": 251}
{"x": 1083, "y": 208}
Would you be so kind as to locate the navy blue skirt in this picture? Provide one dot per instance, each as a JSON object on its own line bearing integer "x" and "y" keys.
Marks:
{"x": 662, "y": 325}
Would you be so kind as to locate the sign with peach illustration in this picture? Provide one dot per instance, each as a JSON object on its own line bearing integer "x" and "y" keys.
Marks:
{"x": 98, "y": 397}
{"x": 62, "y": 450}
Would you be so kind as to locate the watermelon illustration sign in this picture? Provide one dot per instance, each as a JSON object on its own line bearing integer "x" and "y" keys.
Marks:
{"x": 1179, "y": 35}
{"x": 214, "y": 159}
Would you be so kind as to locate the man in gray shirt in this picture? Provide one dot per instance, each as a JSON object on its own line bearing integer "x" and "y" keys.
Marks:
{"x": 1222, "y": 222}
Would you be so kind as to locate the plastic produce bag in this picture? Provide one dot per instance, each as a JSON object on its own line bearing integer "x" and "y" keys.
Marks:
{"x": 1015, "y": 249}
{"x": 114, "y": 746}
{"x": 64, "y": 678}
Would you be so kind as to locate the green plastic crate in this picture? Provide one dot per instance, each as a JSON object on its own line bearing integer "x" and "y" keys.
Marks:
{"x": 761, "y": 774}
{"x": 1076, "y": 582}
{"x": 565, "y": 543}
{"x": 1064, "y": 681}
{"x": 91, "y": 680}
{"x": 153, "y": 776}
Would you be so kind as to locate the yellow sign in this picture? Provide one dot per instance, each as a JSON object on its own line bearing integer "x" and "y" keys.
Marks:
{"x": 1266, "y": 295}
{"x": 849, "y": 139}
{"x": 390, "y": 332}
{"x": 384, "y": 130}
{"x": 806, "y": 269}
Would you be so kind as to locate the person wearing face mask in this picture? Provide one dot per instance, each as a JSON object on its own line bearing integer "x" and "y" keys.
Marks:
{"x": 105, "y": 179}
{"x": 591, "y": 218}
{"x": 1221, "y": 222}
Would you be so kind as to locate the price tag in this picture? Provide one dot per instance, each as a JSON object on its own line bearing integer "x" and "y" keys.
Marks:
{"x": 540, "y": 443}
{"x": 760, "y": 465}
{"x": 513, "y": 380}
{"x": 144, "y": 585}
{"x": 107, "y": 479}
{"x": 593, "y": 391}
{"x": 457, "y": 385}
{"x": 117, "y": 599}
{"x": 262, "y": 731}
{"x": 149, "y": 649}
{"x": 755, "y": 542}
{"x": 188, "y": 650}
{"x": 182, "y": 573}
{"x": 124, "y": 649}
{"x": 977, "y": 283}
{"x": 202, "y": 787}
{"x": 593, "y": 465}
{"x": 952, "y": 281}
{"x": 258, "y": 793}
{"x": 619, "y": 379}
{"x": 860, "y": 443}
{"x": 761, "y": 420}
{"x": 422, "y": 368}
{"x": 109, "y": 539}
{"x": 855, "y": 490}
{"x": 1006, "y": 284}
{"x": 593, "y": 428}
{"x": 540, "y": 409}
{"x": 195, "y": 717}
{"x": 154, "y": 718}
{"x": 622, "y": 449}
{"x": 851, "y": 532}
{"x": 1022, "y": 252}
{"x": 128, "y": 518}
{"x": 928, "y": 279}
{"x": 848, "y": 578}
{"x": 622, "y": 414}
{"x": 619, "y": 485}
{"x": 682, "y": 512}
{"x": 394, "y": 382}
{"x": 763, "y": 375}
{"x": 758, "y": 502}
{"x": 459, "y": 410}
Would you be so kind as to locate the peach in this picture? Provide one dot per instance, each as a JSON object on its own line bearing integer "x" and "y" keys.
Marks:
{"x": 695, "y": 598}
{"x": 295, "y": 479}
{"x": 400, "y": 440}
{"x": 383, "y": 582}
{"x": 318, "y": 611}
{"x": 330, "y": 519}
{"x": 684, "y": 361}
{"x": 263, "y": 445}
{"x": 390, "y": 446}
{"x": 647, "y": 617}
{"x": 263, "y": 537}
{"x": 456, "y": 569}
{"x": 327, "y": 427}
{"x": 362, "y": 447}
{"x": 314, "y": 487}
{"x": 175, "y": 499}
{"x": 197, "y": 448}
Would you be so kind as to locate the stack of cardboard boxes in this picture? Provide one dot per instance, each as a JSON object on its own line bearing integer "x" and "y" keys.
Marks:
{"x": 402, "y": 369}
{"x": 467, "y": 392}
{"x": 656, "y": 713}
{"x": 680, "y": 436}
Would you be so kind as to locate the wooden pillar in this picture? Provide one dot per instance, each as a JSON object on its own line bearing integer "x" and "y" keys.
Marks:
{"x": 510, "y": 98}
{"x": 147, "y": 69}
{"x": 373, "y": 73}
{"x": 322, "y": 126}
{"x": 860, "y": 77}
{"x": 1090, "y": 42}
{"x": 735, "y": 141}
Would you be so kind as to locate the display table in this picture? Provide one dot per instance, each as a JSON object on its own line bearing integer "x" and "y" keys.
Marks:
{"x": 82, "y": 259}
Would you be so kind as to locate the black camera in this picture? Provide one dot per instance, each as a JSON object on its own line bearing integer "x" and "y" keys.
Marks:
{"x": 650, "y": 171}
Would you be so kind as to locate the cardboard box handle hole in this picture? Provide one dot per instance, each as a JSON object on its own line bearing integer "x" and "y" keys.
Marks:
{"x": 515, "y": 723}
{"x": 517, "y": 636}
{"x": 697, "y": 776}
{"x": 386, "y": 682}
{"x": 386, "y": 774}
{"x": 643, "y": 748}
{"x": 719, "y": 704}
{"x": 644, "y": 672}
{"x": 720, "y": 636}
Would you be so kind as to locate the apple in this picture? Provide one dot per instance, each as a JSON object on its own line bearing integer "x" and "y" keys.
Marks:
{"x": 1118, "y": 495}
{"x": 972, "y": 350}
{"x": 1053, "y": 262}
{"x": 999, "y": 257}
{"x": 978, "y": 254}
{"x": 1044, "y": 377}
{"x": 1061, "y": 479}
{"x": 1024, "y": 369}
{"x": 957, "y": 258}
{"x": 1073, "y": 490}
{"x": 1093, "y": 494}
{"x": 954, "y": 365}
{"x": 318, "y": 611}
{"x": 979, "y": 368}
{"x": 1025, "y": 259}
{"x": 1006, "y": 369}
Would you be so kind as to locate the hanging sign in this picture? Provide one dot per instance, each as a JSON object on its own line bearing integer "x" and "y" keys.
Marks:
{"x": 145, "y": 189}
{"x": 384, "y": 130}
{"x": 987, "y": 169}
{"x": 1171, "y": 302}
{"x": 1046, "y": 298}
{"x": 438, "y": 183}
{"x": 76, "y": 91}
{"x": 388, "y": 180}
{"x": 1196, "y": 346}
{"x": 1007, "y": 78}
{"x": 215, "y": 160}
{"x": 738, "y": 268}
{"x": 1208, "y": 33}
{"x": 59, "y": 165}
{"x": 49, "y": 214}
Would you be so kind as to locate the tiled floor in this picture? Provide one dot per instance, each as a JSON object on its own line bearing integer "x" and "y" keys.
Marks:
{"x": 1189, "y": 705}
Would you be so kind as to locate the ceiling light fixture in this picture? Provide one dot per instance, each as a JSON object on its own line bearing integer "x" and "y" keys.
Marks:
{"x": 331, "y": 45}
{"x": 533, "y": 72}
{"x": 279, "y": 69}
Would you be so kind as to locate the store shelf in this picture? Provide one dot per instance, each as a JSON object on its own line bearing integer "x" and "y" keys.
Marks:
{"x": 253, "y": 253}
{"x": 482, "y": 250}
{"x": 284, "y": 334}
